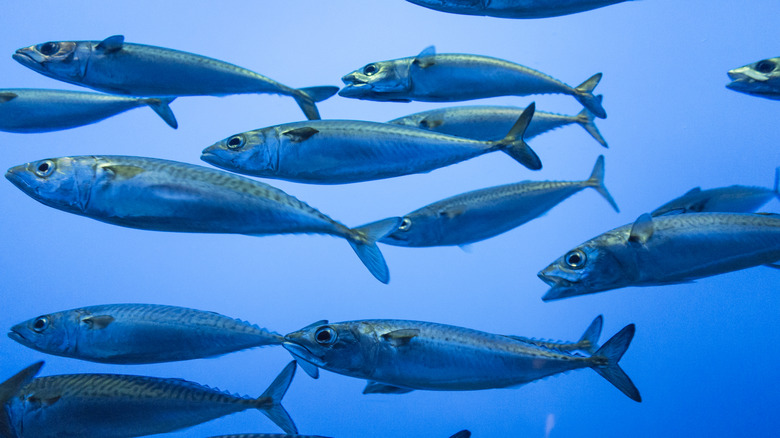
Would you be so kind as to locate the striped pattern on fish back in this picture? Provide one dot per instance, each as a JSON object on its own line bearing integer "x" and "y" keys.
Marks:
{"x": 491, "y": 194}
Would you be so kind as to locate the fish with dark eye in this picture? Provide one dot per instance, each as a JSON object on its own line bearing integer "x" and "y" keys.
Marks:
{"x": 118, "y": 406}
{"x": 348, "y": 151}
{"x": 139, "y": 334}
{"x": 760, "y": 79}
{"x": 28, "y": 110}
{"x": 453, "y": 77}
{"x": 663, "y": 250}
{"x": 117, "y": 67}
{"x": 162, "y": 195}
{"x": 398, "y": 356}
{"x": 515, "y": 8}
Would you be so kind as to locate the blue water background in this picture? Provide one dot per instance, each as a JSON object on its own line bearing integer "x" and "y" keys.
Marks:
{"x": 705, "y": 354}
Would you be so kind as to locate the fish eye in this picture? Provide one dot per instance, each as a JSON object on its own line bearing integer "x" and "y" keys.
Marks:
{"x": 576, "y": 259}
{"x": 370, "y": 69}
{"x": 406, "y": 223}
{"x": 40, "y": 324}
{"x": 765, "y": 66}
{"x": 325, "y": 335}
{"x": 49, "y": 48}
{"x": 44, "y": 168}
{"x": 235, "y": 142}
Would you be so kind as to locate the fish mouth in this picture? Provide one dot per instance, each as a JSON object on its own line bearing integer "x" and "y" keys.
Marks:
{"x": 18, "y": 337}
{"x": 559, "y": 287}
{"x": 28, "y": 58}
{"x": 354, "y": 90}
{"x": 16, "y": 175}
{"x": 299, "y": 351}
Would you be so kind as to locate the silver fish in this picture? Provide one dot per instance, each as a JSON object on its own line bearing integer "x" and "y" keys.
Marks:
{"x": 481, "y": 214}
{"x": 760, "y": 79}
{"x": 665, "y": 250}
{"x": 347, "y": 151}
{"x": 116, "y": 406}
{"x": 514, "y": 8}
{"x": 8, "y": 390}
{"x": 139, "y": 334}
{"x": 491, "y": 123}
{"x": 129, "y": 69}
{"x": 267, "y": 435}
{"x": 731, "y": 199}
{"x": 398, "y": 356}
{"x": 451, "y": 77}
{"x": 27, "y": 110}
{"x": 162, "y": 195}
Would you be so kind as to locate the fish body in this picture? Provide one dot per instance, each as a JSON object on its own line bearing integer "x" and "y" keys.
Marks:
{"x": 8, "y": 390}
{"x": 162, "y": 195}
{"x": 491, "y": 123}
{"x": 760, "y": 79}
{"x": 114, "y": 66}
{"x": 481, "y": 214}
{"x": 27, "y": 110}
{"x": 665, "y": 250}
{"x": 139, "y": 334}
{"x": 347, "y": 151}
{"x": 515, "y": 8}
{"x": 398, "y": 356}
{"x": 114, "y": 406}
{"x": 452, "y": 77}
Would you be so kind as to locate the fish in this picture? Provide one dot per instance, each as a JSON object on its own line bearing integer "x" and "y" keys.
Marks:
{"x": 163, "y": 195}
{"x": 139, "y": 334}
{"x": 452, "y": 77}
{"x": 116, "y": 67}
{"x": 760, "y": 79}
{"x": 398, "y": 356}
{"x": 9, "y": 389}
{"x": 515, "y": 8}
{"x": 30, "y": 110}
{"x": 481, "y": 214}
{"x": 674, "y": 249}
{"x": 117, "y": 405}
{"x": 348, "y": 151}
{"x": 462, "y": 434}
{"x": 491, "y": 123}
{"x": 731, "y": 199}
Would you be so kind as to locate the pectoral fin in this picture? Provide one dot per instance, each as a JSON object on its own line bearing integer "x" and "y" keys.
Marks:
{"x": 309, "y": 368}
{"x": 400, "y": 337}
{"x": 298, "y": 135}
{"x": 642, "y": 230}
{"x": 7, "y": 96}
{"x": 381, "y": 388}
{"x": 121, "y": 172}
{"x": 111, "y": 44}
{"x": 773, "y": 265}
{"x": 97, "y": 322}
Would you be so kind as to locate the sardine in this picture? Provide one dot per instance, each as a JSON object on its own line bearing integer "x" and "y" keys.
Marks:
{"x": 139, "y": 334}
{"x": 491, "y": 123}
{"x": 760, "y": 79}
{"x": 114, "y": 66}
{"x": 481, "y": 214}
{"x": 451, "y": 77}
{"x": 398, "y": 356}
{"x": 514, "y": 8}
{"x": 347, "y": 151}
{"x": 665, "y": 250}
{"x": 27, "y": 110}
{"x": 8, "y": 390}
{"x": 162, "y": 195}
{"x": 115, "y": 406}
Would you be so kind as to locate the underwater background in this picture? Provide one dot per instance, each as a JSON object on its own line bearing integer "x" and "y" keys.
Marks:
{"x": 704, "y": 355}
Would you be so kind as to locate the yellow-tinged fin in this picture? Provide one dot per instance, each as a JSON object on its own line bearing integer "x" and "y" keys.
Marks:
{"x": 121, "y": 172}
{"x": 584, "y": 94}
{"x": 596, "y": 181}
{"x": 400, "y": 337}
{"x": 514, "y": 144}
{"x": 611, "y": 352}
{"x": 642, "y": 230}
{"x": 98, "y": 321}
{"x": 160, "y": 106}
{"x": 275, "y": 392}
{"x": 382, "y": 388}
{"x": 364, "y": 244}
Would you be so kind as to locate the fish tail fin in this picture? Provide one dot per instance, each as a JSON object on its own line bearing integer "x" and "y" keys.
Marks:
{"x": 307, "y": 97}
{"x": 777, "y": 182}
{"x": 160, "y": 106}
{"x": 270, "y": 403}
{"x": 596, "y": 181}
{"x": 586, "y": 119}
{"x": 610, "y": 354}
{"x": 364, "y": 244}
{"x": 584, "y": 94}
{"x": 590, "y": 339}
{"x": 514, "y": 144}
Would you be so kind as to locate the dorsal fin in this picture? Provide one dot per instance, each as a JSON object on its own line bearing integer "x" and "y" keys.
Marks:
{"x": 642, "y": 229}
{"x": 111, "y": 44}
{"x": 692, "y": 191}
{"x": 425, "y": 58}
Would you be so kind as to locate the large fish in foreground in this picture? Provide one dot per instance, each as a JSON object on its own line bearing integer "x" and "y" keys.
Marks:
{"x": 26, "y": 110}
{"x": 162, "y": 195}
{"x": 398, "y": 356}
{"x": 665, "y": 250}
{"x": 8, "y": 390}
{"x": 114, "y": 66}
{"x": 760, "y": 79}
{"x": 452, "y": 77}
{"x": 481, "y": 214}
{"x": 347, "y": 151}
{"x": 139, "y": 334}
{"x": 515, "y": 8}
{"x": 117, "y": 406}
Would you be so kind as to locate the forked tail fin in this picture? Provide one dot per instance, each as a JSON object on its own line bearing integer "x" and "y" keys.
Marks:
{"x": 307, "y": 97}
{"x": 587, "y": 121}
{"x": 514, "y": 144}
{"x": 275, "y": 411}
{"x": 596, "y": 181}
{"x": 160, "y": 106}
{"x": 365, "y": 247}
{"x": 610, "y": 353}
{"x": 584, "y": 94}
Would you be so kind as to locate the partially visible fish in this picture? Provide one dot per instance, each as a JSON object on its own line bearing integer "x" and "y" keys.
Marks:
{"x": 663, "y": 250}
{"x": 461, "y": 434}
{"x": 731, "y": 199}
{"x": 162, "y": 195}
{"x": 491, "y": 123}
{"x": 481, "y": 214}
{"x": 27, "y": 110}
{"x": 117, "y": 406}
{"x": 139, "y": 334}
{"x": 515, "y": 8}
{"x": 452, "y": 77}
{"x": 114, "y": 66}
{"x": 760, "y": 79}
{"x": 8, "y": 390}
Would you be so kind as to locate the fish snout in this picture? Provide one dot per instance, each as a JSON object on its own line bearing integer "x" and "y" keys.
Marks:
{"x": 29, "y": 57}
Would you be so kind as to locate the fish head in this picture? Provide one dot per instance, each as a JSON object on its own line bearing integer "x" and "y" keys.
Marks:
{"x": 62, "y": 60}
{"x": 252, "y": 151}
{"x": 54, "y": 333}
{"x": 63, "y": 183}
{"x": 417, "y": 229}
{"x": 760, "y": 78}
{"x": 382, "y": 81}
{"x": 336, "y": 347}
